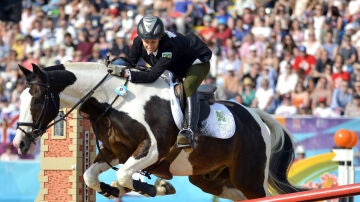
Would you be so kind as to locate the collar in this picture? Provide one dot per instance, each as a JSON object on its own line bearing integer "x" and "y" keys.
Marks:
{"x": 155, "y": 53}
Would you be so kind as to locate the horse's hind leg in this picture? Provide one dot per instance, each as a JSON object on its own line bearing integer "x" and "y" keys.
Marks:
{"x": 218, "y": 186}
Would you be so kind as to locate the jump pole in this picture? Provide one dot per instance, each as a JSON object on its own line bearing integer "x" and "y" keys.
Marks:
{"x": 317, "y": 194}
{"x": 66, "y": 151}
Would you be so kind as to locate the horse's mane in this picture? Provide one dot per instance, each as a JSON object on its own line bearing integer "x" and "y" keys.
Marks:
{"x": 54, "y": 67}
{"x": 59, "y": 79}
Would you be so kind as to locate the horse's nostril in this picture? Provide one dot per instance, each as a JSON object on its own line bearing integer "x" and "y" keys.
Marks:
{"x": 22, "y": 144}
{"x": 23, "y": 148}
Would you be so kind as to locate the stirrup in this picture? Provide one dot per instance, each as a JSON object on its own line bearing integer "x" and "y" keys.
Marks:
{"x": 186, "y": 137}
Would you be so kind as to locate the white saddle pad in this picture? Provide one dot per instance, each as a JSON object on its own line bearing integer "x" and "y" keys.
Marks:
{"x": 219, "y": 124}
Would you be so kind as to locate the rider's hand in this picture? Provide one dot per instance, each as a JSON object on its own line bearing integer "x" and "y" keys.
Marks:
{"x": 124, "y": 73}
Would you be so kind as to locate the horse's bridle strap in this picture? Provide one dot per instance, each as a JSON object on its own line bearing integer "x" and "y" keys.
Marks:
{"x": 36, "y": 132}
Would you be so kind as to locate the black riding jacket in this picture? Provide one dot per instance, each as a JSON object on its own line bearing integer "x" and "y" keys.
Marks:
{"x": 176, "y": 53}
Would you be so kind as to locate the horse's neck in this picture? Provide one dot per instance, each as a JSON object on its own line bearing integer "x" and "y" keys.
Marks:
{"x": 88, "y": 75}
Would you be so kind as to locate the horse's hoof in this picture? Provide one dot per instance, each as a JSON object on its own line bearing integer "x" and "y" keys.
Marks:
{"x": 122, "y": 190}
{"x": 163, "y": 187}
{"x": 109, "y": 191}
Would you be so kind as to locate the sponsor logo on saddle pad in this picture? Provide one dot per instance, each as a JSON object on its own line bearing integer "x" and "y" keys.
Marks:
{"x": 219, "y": 124}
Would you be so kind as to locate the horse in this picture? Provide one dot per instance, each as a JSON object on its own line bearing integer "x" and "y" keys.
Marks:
{"x": 139, "y": 131}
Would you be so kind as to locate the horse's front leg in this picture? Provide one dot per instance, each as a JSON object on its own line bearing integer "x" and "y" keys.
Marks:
{"x": 145, "y": 155}
{"x": 91, "y": 175}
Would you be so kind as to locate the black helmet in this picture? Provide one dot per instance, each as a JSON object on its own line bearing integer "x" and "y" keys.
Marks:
{"x": 150, "y": 27}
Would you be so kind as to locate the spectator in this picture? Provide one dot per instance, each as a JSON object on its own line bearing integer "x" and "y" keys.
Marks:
{"x": 250, "y": 44}
{"x": 31, "y": 46}
{"x": 323, "y": 110}
{"x": 264, "y": 98}
{"x": 300, "y": 98}
{"x": 321, "y": 63}
{"x": 334, "y": 22}
{"x": 260, "y": 30}
{"x": 287, "y": 58}
{"x": 330, "y": 46}
{"x": 319, "y": 20}
{"x": 207, "y": 32}
{"x": 85, "y": 45}
{"x": 231, "y": 83}
{"x": 312, "y": 45}
{"x": 95, "y": 54}
{"x": 300, "y": 152}
{"x": 286, "y": 108}
{"x": 353, "y": 108}
{"x": 288, "y": 43}
{"x": 119, "y": 47}
{"x": 19, "y": 46}
{"x": 61, "y": 56}
{"x": 339, "y": 74}
{"x": 248, "y": 92}
{"x": 253, "y": 73}
{"x": 356, "y": 75}
{"x": 38, "y": 32}
{"x": 9, "y": 154}
{"x": 237, "y": 98}
{"x": 296, "y": 32}
{"x": 267, "y": 73}
{"x": 4, "y": 53}
{"x": 249, "y": 60}
{"x": 240, "y": 30}
{"x": 69, "y": 44}
{"x": 341, "y": 97}
{"x": 47, "y": 59}
{"x": 223, "y": 32}
{"x": 349, "y": 53}
{"x": 270, "y": 59}
{"x": 27, "y": 19}
{"x": 304, "y": 61}
{"x": 323, "y": 91}
{"x": 287, "y": 81}
{"x": 182, "y": 14}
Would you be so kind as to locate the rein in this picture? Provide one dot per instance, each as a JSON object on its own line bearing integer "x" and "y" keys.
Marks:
{"x": 36, "y": 132}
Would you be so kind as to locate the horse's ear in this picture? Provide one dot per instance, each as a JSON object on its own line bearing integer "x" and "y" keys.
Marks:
{"x": 25, "y": 71}
{"x": 36, "y": 69}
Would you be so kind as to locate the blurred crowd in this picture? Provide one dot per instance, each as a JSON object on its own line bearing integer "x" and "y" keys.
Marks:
{"x": 286, "y": 57}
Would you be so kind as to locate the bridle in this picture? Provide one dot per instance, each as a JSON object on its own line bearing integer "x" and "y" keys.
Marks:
{"x": 49, "y": 98}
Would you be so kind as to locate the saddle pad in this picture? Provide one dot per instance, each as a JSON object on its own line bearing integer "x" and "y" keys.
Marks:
{"x": 219, "y": 124}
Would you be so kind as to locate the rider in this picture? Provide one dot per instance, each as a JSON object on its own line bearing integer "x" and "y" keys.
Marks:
{"x": 185, "y": 56}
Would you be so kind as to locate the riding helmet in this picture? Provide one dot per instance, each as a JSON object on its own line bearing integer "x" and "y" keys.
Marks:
{"x": 150, "y": 27}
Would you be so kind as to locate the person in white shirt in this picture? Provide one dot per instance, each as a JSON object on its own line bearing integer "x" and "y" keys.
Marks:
{"x": 286, "y": 81}
{"x": 264, "y": 97}
{"x": 323, "y": 110}
{"x": 286, "y": 108}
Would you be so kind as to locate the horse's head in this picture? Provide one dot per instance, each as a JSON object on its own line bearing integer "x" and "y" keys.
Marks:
{"x": 40, "y": 104}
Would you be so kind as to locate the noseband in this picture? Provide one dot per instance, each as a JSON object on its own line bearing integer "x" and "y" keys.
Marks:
{"x": 38, "y": 128}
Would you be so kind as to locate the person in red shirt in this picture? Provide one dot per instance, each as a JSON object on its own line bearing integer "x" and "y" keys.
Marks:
{"x": 208, "y": 31}
{"x": 304, "y": 61}
{"x": 223, "y": 32}
{"x": 339, "y": 75}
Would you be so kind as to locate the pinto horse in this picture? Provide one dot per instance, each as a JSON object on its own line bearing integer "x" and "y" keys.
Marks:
{"x": 139, "y": 131}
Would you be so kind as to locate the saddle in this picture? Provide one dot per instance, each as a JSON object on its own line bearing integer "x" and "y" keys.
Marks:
{"x": 205, "y": 96}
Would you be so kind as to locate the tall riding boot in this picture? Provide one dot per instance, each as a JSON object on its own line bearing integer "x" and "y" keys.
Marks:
{"x": 185, "y": 137}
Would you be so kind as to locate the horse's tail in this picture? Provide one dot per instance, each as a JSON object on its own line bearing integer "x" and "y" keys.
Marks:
{"x": 282, "y": 155}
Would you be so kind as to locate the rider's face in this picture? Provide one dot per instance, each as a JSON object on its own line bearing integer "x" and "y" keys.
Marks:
{"x": 151, "y": 45}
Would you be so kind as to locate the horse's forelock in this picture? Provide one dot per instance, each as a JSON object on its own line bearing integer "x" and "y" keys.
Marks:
{"x": 60, "y": 79}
